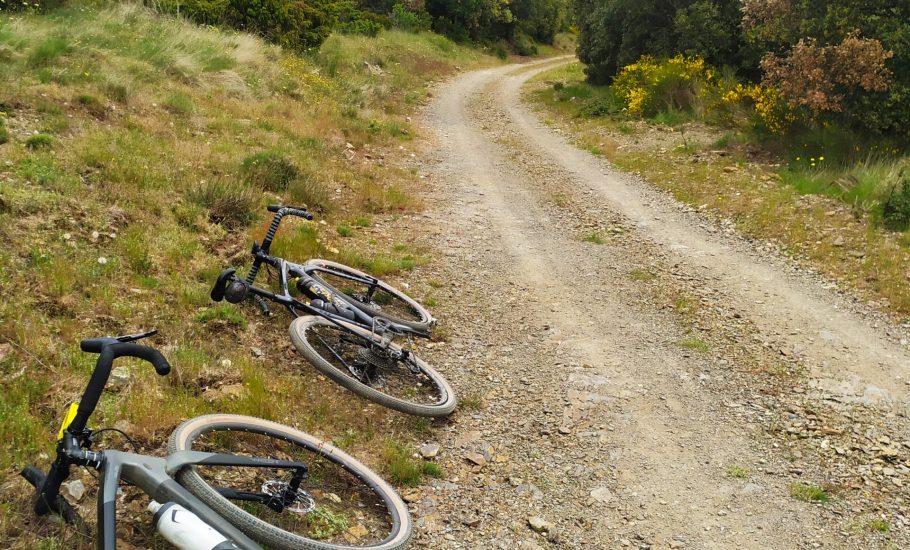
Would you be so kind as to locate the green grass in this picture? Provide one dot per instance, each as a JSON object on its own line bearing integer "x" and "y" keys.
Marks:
{"x": 432, "y": 469}
{"x": 472, "y": 402}
{"x": 39, "y": 141}
{"x": 345, "y": 230}
{"x": 641, "y": 275}
{"x": 399, "y": 465}
{"x": 694, "y": 344}
{"x": 879, "y": 525}
{"x": 180, "y": 103}
{"x": 429, "y": 301}
{"x": 809, "y": 493}
{"x": 225, "y": 313}
{"x": 593, "y": 237}
{"x": 738, "y": 472}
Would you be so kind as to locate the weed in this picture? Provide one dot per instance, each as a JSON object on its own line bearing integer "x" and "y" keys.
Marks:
{"x": 896, "y": 210}
{"x": 472, "y": 402}
{"x": 39, "y": 141}
{"x": 432, "y": 469}
{"x": 671, "y": 117}
{"x": 625, "y": 128}
{"x": 560, "y": 199}
{"x": 722, "y": 142}
{"x": 224, "y": 313}
{"x": 135, "y": 249}
{"x": 269, "y": 170}
{"x": 116, "y": 91}
{"x": 346, "y": 440}
{"x": 434, "y": 283}
{"x": 641, "y": 275}
{"x": 345, "y": 230}
{"x": 323, "y": 523}
{"x": 47, "y": 51}
{"x": 879, "y": 525}
{"x": 399, "y": 465}
{"x": 228, "y": 203}
{"x": 738, "y": 472}
{"x": 362, "y": 222}
{"x": 429, "y": 301}
{"x": 179, "y": 103}
{"x": 593, "y": 237}
{"x": 694, "y": 344}
{"x": 308, "y": 191}
{"x": 4, "y": 133}
{"x": 809, "y": 493}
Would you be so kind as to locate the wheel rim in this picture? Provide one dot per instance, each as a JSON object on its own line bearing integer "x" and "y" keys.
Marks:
{"x": 335, "y": 504}
{"x": 356, "y": 357}
{"x": 377, "y": 298}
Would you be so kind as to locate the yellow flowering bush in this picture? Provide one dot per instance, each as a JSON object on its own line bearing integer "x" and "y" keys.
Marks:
{"x": 650, "y": 85}
{"x": 769, "y": 108}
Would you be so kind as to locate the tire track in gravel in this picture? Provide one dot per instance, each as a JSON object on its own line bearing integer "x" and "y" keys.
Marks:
{"x": 595, "y": 419}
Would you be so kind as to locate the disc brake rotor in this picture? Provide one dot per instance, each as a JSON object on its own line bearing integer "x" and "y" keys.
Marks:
{"x": 303, "y": 503}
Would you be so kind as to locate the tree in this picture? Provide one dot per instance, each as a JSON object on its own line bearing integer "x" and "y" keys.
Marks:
{"x": 616, "y": 33}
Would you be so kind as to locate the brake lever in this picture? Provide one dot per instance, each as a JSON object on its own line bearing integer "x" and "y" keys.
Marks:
{"x": 137, "y": 336}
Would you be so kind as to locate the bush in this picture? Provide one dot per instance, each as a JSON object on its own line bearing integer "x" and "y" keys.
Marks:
{"x": 649, "y": 86}
{"x": 229, "y": 204}
{"x": 4, "y": 133}
{"x": 39, "y": 141}
{"x": 269, "y": 170}
{"x": 32, "y": 5}
{"x": 896, "y": 209}
{"x": 523, "y": 44}
{"x": 405, "y": 19}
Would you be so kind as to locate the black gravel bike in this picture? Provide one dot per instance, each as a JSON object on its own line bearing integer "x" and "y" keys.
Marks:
{"x": 356, "y": 329}
{"x": 253, "y": 481}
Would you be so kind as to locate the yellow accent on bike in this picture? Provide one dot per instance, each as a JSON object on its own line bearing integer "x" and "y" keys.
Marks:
{"x": 68, "y": 419}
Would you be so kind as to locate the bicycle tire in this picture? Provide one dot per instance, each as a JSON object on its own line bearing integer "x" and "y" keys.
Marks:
{"x": 424, "y": 320}
{"x": 299, "y": 329}
{"x": 189, "y": 433}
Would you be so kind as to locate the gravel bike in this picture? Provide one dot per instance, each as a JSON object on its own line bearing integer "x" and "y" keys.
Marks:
{"x": 251, "y": 481}
{"x": 356, "y": 329}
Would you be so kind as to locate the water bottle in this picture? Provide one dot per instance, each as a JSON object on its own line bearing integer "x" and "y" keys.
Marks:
{"x": 185, "y": 530}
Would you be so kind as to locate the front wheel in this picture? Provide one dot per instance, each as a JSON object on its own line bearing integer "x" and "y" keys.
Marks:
{"x": 341, "y": 504}
{"x": 370, "y": 295}
{"x": 382, "y": 372}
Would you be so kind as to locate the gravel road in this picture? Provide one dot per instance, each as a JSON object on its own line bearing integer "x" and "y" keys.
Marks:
{"x": 633, "y": 375}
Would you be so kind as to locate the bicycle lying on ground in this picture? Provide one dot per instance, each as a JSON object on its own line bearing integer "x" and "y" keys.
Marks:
{"x": 236, "y": 481}
{"x": 349, "y": 327}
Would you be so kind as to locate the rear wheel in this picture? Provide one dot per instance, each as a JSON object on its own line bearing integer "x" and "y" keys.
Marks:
{"x": 381, "y": 372}
{"x": 340, "y": 504}
{"x": 369, "y": 294}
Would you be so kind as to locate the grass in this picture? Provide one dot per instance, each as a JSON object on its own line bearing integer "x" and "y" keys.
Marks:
{"x": 809, "y": 493}
{"x": 399, "y": 465}
{"x": 129, "y": 132}
{"x": 641, "y": 275}
{"x": 429, "y": 301}
{"x": 593, "y": 237}
{"x": 879, "y": 525}
{"x": 738, "y": 472}
{"x": 472, "y": 402}
{"x": 694, "y": 344}
{"x": 345, "y": 230}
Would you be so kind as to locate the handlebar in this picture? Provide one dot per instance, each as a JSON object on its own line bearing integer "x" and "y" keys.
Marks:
{"x": 110, "y": 349}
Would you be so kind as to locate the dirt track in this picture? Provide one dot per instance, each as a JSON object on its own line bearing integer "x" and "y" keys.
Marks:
{"x": 639, "y": 392}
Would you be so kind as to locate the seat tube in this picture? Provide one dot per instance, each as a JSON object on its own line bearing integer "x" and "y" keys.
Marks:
{"x": 107, "y": 504}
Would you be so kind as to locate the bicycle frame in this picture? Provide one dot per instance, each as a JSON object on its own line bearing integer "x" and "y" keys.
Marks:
{"x": 153, "y": 475}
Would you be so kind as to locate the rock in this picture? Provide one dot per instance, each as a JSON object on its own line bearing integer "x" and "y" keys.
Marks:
{"x": 120, "y": 378}
{"x": 839, "y": 241}
{"x": 676, "y": 543}
{"x": 564, "y": 430}
{"x": 333, "y": 497}
{"x": 358, "y": 531}
{"x": 412, "y": 495}
{"x": 601, "y": 495}
{"x": 256, "y": 352}
{"x": 429, "y": 450}
{"x": 539, "y": 524}
{"x": 75, "y": 490}
{"x": 472, "y": 521}
{"x": 476, "y": 458}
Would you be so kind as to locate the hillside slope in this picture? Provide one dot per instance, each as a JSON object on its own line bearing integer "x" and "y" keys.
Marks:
{"x": 138, "y": 152}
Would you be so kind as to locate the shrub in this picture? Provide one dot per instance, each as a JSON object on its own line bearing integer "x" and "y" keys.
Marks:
{"x": 269, "y": 170}
{"x": 649, "y": 86}
{"x": 405, "y": 19}
{"x": 39, "y": 141}
{"x": 229, "y": 204}
{"x": 896, "y": 209}
{"x": 523, "y": 44}
{"x": 294, "y": 25}
{"x": 47, "y": 51}
{"x": 33, "y": 5}
{"x": 4, "y": 133}
{"x": 179, "y": 103}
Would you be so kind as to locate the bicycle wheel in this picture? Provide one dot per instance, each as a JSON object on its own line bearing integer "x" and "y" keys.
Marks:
{"x": 358, "y": 360}
{"x": 341, "y": 504}
{"x": 370, "y": 295}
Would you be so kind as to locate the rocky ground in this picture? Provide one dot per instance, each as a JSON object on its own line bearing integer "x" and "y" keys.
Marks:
{"x": 632, "y": 374}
